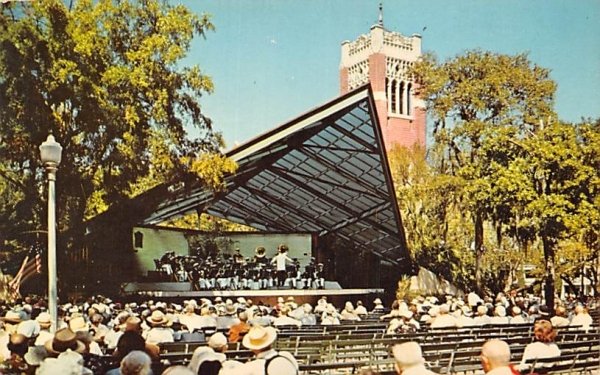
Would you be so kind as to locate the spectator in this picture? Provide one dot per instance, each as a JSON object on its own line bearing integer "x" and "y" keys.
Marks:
{"x": 178, "y": 370}
{"x": 378, "y": 306}
{"x": 190, "y": 319}
{"x": 284, "y": 320}
{"x": 360, "y": 309}
{"x": 208, "y": 360}
{"x": 45, "y": 321}
{"x": 267, "y": 360}
{"x": 482, "y": 317}
{"x": 348, "y": 313}
{"x": 544, "y": 346}
{"x": 560, "y": 319}
{"x": 495, "y": 358}
{"x": 308, "y": 318}
{"x": 517, "y": 317}
{"x": 409, "y": 359}
{"x": 582, "y": 318}
{"x": 237, "y": 331}
{"x": 444, "y": 319}
{"x": 499, "y": 315}
{"x": 159, "y": 331}
{"x": 135, "y": 363}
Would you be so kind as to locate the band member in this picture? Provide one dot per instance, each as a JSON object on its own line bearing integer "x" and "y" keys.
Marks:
{"x": 260, "y": 255}
{"x": 309, "y": 274}
{"x": 280, "y": 262}
{"x": 320, "y": 276}
{"x": 294, "y": 274}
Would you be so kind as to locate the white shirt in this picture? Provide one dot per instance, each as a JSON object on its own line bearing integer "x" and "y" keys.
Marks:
{"x": 159, "y": 334}
{"x": 443, "y": 321}
{"x": 518, "y": 319}
{"x": 540, "y": 350}
{"x": 279, "y": 366}
{"x": 584, "y": 320}
{"x": 286, "y": 321}
{"x": 280, "y": 259}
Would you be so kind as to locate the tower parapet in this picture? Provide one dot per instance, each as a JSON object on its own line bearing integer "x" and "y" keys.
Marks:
{"x": 383, "y": 59}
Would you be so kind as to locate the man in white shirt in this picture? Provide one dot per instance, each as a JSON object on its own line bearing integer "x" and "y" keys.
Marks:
{"x": 267, "y": 360}
{"x": 581, "y": 318}
{"x": 280, "y": 262}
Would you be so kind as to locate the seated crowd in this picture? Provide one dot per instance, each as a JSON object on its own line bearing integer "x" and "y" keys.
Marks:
{"x": 99, "y": 336}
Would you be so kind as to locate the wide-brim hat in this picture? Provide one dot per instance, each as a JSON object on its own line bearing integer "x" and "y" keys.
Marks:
{"x": 259, "y": 337}
{"x": 157, "y": 318}
{"x": 78, "y": 324}
{"x": 377, "y": 301}
{"x": 230, "y": 309}
{"x": 64, "y": 339}
{"x": 44, "y": 319}
{"x": 12, "y": 317}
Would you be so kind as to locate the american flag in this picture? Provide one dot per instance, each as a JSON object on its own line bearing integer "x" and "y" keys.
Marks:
{"x": 31, "y": 265}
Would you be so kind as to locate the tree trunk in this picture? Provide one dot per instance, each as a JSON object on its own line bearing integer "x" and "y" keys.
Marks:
{"x": 549, "y": 250}
{"x": 478, "y": 252}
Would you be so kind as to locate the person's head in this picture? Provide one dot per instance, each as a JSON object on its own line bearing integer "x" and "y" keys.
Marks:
{"x": 136, "y": 362}
{"x": 407, "y": 355}
{"x": 259, "y": 339}
{"x": 561, "y": 311}
{"x": 129, "y": 342}
{"x": 243, "y": 317}
{"x": 134, "y": 324}
{"x": 18, "y": 344}
{"x": 494, "y": 354}
{"x": 579, "y": 309}
{"x": 218, "y": 342}
{"x": 544, "y": 331}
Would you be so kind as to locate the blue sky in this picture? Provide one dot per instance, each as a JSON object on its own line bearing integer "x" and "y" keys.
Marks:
{"x": 272, "y": 60}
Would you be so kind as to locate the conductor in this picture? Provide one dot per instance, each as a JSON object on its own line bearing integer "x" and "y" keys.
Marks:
{"x": 280, "y": 260}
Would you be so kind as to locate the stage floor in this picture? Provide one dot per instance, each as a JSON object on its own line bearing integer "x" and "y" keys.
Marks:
{"x": 184, "y": 290}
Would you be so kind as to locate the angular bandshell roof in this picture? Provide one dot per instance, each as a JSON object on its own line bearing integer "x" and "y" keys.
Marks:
{"x": 324, "y": 172}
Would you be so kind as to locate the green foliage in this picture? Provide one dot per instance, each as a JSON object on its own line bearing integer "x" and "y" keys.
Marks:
{"x": 105, "y": 78}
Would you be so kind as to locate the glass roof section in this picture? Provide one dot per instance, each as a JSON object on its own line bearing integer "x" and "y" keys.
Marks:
{"x": 325, "y": 172}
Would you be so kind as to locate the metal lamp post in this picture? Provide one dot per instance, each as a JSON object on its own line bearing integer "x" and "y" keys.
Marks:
{"x": 50, "y": 154}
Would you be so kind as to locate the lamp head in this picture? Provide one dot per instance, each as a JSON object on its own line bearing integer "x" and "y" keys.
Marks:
{"x": 50, "y": 151}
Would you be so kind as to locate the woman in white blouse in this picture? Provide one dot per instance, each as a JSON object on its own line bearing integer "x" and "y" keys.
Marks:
{"x": 544, "y": 346}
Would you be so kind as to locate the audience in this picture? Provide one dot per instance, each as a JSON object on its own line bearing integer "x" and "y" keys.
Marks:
{"x": 90, "y": 345}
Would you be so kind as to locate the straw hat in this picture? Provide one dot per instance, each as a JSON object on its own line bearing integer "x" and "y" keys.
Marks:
{"x": 377, "y": 301}
{"x": 78, "y": 324}
{"x": 63, "y": 340}
{"x": 44, "y": 319}
{"x": 12, "y": 317}
{"x": 157, "y": 318}
{"x": 259, "y": 337}
{"x": 408, "y": 354}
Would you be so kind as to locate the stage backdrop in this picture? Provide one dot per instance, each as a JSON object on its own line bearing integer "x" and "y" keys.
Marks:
{"x": 151, "y": 242}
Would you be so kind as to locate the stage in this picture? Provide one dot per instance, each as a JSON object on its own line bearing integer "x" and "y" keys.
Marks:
{"x": 183, "y": 290}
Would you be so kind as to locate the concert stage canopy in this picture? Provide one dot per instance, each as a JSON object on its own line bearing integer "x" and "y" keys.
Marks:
{"x": 324, "y": 172}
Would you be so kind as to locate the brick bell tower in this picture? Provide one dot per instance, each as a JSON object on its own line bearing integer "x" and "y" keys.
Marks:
{"x": 383, "y": 58}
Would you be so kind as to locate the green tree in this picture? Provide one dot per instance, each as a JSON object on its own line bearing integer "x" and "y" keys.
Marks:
{"x": 105, "y": 78}
{"x": 466, "y": 96}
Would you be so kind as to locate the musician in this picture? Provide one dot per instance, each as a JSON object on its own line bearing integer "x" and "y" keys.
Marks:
{"x": 309, "y": 274}
{"x": 320, "y": 276}
{"x": 280, "y": 262}
{"x": 294, "y": 274}
{"x": 260, "y": 255}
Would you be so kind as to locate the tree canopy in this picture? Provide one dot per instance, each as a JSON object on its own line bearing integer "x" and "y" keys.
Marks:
{"x": 105, "y": 78}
